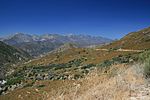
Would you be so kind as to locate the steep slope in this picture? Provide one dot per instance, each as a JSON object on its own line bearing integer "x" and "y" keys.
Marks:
{"x": 9, "y": 54}
{"x": 136, "y": 40}
{"x": 37, "y": 45}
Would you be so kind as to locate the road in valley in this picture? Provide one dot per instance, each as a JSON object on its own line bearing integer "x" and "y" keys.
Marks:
{"x": 121, "y": 50}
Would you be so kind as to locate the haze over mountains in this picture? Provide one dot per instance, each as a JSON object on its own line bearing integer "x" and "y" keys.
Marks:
{"x": 40, "y": 44}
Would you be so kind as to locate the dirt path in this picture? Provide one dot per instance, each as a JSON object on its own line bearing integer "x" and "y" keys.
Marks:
{"x": 120, "y": 50}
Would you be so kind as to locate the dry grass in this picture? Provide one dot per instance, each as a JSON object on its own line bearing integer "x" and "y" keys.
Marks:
{"x": 93, "y": 56}
{"x": 120, "y": 82}
{"x": 127, "y": 84}
{"x": 50, "y": 89}
{"x": 136, "y": 40}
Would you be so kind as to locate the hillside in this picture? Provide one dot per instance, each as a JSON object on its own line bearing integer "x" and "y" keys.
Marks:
{"x": 65, "y": 47}
{"x": 120, "y": 82}
{"x": 10, "y": 55}
{"x": 139, "y": 40}
{"x": 71, "y": 64}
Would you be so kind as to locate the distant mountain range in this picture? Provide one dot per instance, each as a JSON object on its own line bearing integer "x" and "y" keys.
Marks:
{"x": 36, "y": 45}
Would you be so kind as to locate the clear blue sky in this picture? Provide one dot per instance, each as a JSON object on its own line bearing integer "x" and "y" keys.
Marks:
{"x": 108, "y": 18}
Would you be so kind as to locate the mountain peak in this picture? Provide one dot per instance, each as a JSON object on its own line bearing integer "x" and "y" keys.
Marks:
{"x": 19, "y": 33}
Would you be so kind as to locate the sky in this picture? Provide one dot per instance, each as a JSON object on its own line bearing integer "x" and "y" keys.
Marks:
{"x": 108, "y": 18}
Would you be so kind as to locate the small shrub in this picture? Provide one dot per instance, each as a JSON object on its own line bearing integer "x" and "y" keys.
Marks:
{"x": 117, "y": 59}
{"x": 14, "y": 81}
{"x": 113, "y": 49}
{"x": 147, "y": 67}
{"x": 85, "y": 71}
{"x": 113, "y": 72}
{"x": 88, "y": 66}
{"x": 145, "y": 58}
{"x": 29, "y": 83}
{"x": 106, "y": 63}
{"x": 77, "y": 76}
{"x": 40, "y": 86}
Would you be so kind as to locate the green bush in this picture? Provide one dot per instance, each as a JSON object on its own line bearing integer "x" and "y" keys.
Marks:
{"x": 117, "y": 59}
{"x": 107, "y": 63}
{"x": 145, "y": 58}
{"x": 114, "y": 49}
{"x": 40, "y": 86}
{"x": 147, "y": 67}
{"x": 88, "y": 66}
{"x": 14, "y": 81}
{"x": 77, "y": 76}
